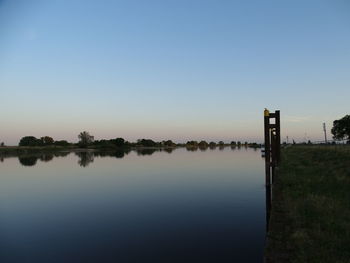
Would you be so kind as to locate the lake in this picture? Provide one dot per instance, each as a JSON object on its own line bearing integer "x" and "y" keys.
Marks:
{"x": 145, "y": 206}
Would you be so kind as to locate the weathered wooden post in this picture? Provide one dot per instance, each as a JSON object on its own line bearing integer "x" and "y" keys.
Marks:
{"x": 267, "y": 146}
{"x": 278, "y": 137}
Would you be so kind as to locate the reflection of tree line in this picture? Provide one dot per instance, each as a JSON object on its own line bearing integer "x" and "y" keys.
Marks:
{"x": 87, "y": 157}
{"x": 31, "y": 160}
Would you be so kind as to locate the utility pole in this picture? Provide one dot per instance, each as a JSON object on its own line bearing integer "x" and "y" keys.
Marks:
{"x": 325, "y": 133}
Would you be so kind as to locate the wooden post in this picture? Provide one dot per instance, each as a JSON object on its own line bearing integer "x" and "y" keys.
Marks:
{"x": 267, "y": 146}
{"x": 278, "y": 137}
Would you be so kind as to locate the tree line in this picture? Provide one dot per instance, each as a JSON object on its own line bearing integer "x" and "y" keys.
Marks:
{"x": 88, "y": 140}
{"x": 340, "y": 131}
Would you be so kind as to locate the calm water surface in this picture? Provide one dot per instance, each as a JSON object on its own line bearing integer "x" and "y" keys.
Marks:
{"x": 183, "y": 206}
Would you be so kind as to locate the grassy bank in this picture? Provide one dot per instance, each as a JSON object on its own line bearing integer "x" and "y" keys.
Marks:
{"x": 13, "y": 150}
{"x": 310, "y": 217}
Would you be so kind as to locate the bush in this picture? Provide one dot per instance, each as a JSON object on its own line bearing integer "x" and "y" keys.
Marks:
{"x": 30, "y": 141}
{"x": 61, "y": 143}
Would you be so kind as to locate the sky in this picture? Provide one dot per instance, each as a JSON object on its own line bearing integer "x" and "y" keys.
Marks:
{"x": 172, "y": 69}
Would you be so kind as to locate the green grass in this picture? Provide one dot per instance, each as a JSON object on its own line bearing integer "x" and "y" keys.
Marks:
{"x": 310, "y": 218}
{"x": 18, "y": 150}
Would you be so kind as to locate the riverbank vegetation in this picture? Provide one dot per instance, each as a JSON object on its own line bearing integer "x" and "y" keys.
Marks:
{"x": 310, "y": 217}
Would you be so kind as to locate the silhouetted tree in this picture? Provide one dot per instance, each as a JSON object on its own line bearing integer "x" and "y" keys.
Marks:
{"x": 203, "y": 144}
{"x": 221, "y": 143}
{"x": 233, "y": 143}
{"x": 61, "y": 143}
{"x": 2, "y": 144}
{"x": 341, "y": 128}
{"x": 192, "y": 143}
{"x": 169, "y": 143}
{"x": 147, "y": 143}
{"x": 46, "y": 140}
{"x": 85, "y": 138}
{"x": 119, "y": 142}
{"x": 212, "y": 145}
{"x": 30, "y": 141}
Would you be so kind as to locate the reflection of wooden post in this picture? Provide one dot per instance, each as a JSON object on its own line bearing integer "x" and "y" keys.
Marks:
{"x": 268, "y": 206}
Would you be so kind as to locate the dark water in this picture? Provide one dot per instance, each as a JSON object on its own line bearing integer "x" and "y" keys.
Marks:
{"x": 183, "y": 206}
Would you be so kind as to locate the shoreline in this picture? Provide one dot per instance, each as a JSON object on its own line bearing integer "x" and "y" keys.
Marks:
{"x": 310, "y": 212}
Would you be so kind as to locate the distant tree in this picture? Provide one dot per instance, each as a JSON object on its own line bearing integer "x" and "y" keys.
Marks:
{"x": 46, "y": 140}
{"x": 239, "y": 143}
{"x": 254, "y": 145}
{"x": 192, "y": 144}
{"x": 2, "y": 144}
{"x": 203, "y": 144}
{"x": 341, "y": 128}
{"x": 85, "y": 138}
{"x": 119, "y": 142}
{"x": 147, "y": 143}
{"x": 30, "y": 141}
{"x": 221, "y": 143}
{"x": 233, "y": 143}
{"x": 212, "y": 144}
{"x": 61, "y": 143}
{"x": 169, "y": 143}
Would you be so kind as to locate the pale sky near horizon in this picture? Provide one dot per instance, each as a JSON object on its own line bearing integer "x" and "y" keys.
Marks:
{"x": 180, "y": 70}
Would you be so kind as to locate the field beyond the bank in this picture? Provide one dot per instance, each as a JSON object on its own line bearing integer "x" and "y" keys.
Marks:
{"x": 310, "y": 217}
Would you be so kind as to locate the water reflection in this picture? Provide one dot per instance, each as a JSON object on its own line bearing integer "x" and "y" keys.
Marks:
{"x": 28, "y": 160}
{"x": 191, "y": 148}
{"x": 168, "y": 150}
{"x": 146, "y": 151}
{"x": 202, "y": 149}
{"x": 85, "y": 158}
{"x": 173, "y": 206}
{"x": 46, "y": 157}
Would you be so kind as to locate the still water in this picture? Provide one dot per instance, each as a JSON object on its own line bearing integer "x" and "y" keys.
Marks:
{"x": 179, "y": 206}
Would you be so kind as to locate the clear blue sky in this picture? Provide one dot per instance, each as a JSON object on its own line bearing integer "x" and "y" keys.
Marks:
{"x": 190, "y": 69}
